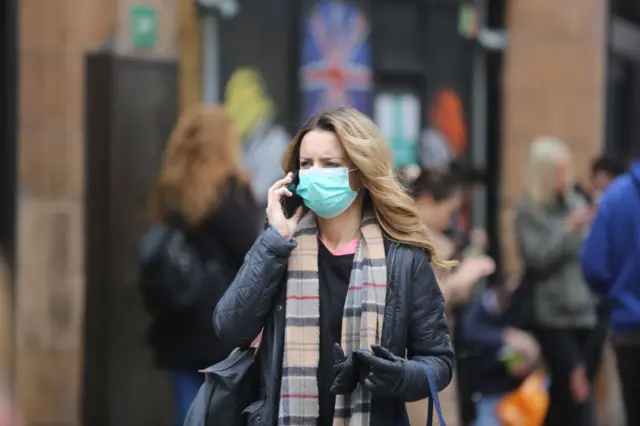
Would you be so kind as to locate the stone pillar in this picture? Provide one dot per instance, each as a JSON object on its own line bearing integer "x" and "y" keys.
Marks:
{"x": 54, "y": 37}
{"x": 554, "y": 84}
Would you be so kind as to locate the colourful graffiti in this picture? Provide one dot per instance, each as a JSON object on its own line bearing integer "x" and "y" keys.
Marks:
{"x": 445, "y": 138}
{"x": 445, "y": 141}
{"x": 265, "y": 141}
{"x": 335, "y": 64}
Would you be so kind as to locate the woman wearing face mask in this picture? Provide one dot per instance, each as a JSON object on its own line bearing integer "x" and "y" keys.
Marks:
{"x": 551, "y": 224}
{"x": 343, "y": 292}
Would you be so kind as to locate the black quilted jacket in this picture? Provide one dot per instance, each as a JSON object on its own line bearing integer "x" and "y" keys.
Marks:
{"x": 414, "y": 324}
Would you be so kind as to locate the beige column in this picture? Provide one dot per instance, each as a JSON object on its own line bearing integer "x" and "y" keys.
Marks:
{"x": 54, "y": 37}
{"x": 554, "y": 84}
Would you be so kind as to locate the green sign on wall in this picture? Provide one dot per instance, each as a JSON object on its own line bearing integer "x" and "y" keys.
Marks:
{"x": 144, "y": 26}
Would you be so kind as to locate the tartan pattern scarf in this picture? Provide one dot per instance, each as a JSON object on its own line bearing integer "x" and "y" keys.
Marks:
{"x": 361, "y": 324}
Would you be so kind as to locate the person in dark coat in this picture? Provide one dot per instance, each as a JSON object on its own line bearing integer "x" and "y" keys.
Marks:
{"x": 343, "y": 287}
{"x": 203, "y": 190}
{"x": 610, "y": 260}
{"x": 501, "y": 356}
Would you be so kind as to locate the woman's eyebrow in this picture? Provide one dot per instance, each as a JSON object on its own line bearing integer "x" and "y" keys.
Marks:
{"x": 322, "y": 158}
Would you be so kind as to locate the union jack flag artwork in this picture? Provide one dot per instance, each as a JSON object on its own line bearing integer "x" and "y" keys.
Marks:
{"x": 336, "y": 58}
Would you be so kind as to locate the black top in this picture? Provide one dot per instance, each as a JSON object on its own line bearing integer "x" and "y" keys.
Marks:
{"x": 415, "y": 325}
{"x": 334, "y": 274}
{"x": 185, "y": 340}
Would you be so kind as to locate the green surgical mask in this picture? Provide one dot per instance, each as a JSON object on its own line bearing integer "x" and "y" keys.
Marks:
{"x": 326, "y": 191}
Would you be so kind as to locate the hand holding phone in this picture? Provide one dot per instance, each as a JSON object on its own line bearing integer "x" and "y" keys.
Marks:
{"x": 291, "y": 203}
{"x": 579, "y": 218}
{"x": 286, "y": 226}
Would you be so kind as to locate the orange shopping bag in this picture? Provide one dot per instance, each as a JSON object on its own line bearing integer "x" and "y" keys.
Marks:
{"x": 527, "y": 405}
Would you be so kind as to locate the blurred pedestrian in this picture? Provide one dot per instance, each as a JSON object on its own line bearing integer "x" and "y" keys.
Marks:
{"x": 551, "y": 224}
{"x": 439, "y": 196}
{"x": 611, "y": 265}
{"x": 342, "y": 285}
{"x": 604, "y": 170}
{"x": 502, "y": 356}
{"x": 203, "y": 195}
{"x": 472, "y": 179}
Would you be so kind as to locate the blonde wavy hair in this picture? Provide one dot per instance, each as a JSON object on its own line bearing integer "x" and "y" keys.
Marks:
{"x": 202, "y": 155}
{"x": 541, "y": 172}
{"x": 365, "y": 145}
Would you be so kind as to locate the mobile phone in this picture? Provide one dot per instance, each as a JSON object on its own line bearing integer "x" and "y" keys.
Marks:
{"x": 291, "y": 204}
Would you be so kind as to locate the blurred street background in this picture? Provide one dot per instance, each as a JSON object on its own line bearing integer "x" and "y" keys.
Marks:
{"x": 90, "y": 90}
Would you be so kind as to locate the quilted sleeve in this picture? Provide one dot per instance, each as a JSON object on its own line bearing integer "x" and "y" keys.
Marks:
{"x": 429, "y": 341}
{"x": 240, "y": 314}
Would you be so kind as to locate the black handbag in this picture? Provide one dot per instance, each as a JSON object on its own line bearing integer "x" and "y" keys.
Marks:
{"x": 520, "y": 311}
{"x": 171, "y": 269}
{"x": 230, "y": 390}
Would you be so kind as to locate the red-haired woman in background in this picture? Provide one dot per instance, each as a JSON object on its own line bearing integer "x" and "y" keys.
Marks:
{"x": 203, "y": 191}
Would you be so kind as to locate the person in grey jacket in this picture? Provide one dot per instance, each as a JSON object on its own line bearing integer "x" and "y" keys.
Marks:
{"x": 551, "y": 225}
{"x": 343, "y": 290}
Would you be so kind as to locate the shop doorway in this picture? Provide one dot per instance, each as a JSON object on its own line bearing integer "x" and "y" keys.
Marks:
{"x": 623, "y": 109}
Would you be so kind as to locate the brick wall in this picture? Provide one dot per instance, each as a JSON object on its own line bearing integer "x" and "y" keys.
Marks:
{"x": 54, "y": 36}
{"x": 554, "y": 84}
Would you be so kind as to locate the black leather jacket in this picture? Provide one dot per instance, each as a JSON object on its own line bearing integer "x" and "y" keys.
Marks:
{"x": 414, "y": 324}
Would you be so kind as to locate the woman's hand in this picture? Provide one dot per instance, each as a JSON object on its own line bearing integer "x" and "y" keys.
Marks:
{"x": 346, "y": 373}
{"x": 275, "y": 213}
{"x": 579, "y": 385}
{"x": 459, "y": 285}
{"x": 384, "y": 372}
{"x": 9, "y": 415}
{"x": 476, "y": 268}
{"x": 523, "y": 343}
{"x": 578, "y": 219}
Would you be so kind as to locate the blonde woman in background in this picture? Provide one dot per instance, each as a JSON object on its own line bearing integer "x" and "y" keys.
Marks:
{"x": 343, "y": 286}
{"x": 551, "y": 224}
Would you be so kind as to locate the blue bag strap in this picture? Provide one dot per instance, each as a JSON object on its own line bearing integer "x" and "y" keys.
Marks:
{"x": 433, "y": 400}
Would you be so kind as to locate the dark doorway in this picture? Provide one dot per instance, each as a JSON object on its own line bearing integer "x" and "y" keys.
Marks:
{"x": 496, "y": 19}
{"x": 8, "y": 126}
{"x": 130, "y": 108}
{"x": 623, "y": 94}
{"x": 622, "y": 105}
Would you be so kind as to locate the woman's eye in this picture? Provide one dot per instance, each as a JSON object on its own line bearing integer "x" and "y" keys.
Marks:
{"x": 333, "y": 165}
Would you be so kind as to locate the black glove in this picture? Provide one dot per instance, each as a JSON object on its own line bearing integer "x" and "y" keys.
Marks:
{"x": 346, "y": 374}
{"x": 384, "y": 370}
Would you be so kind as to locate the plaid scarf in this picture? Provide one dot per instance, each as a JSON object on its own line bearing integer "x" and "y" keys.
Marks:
{"x": 361, "y": 324}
